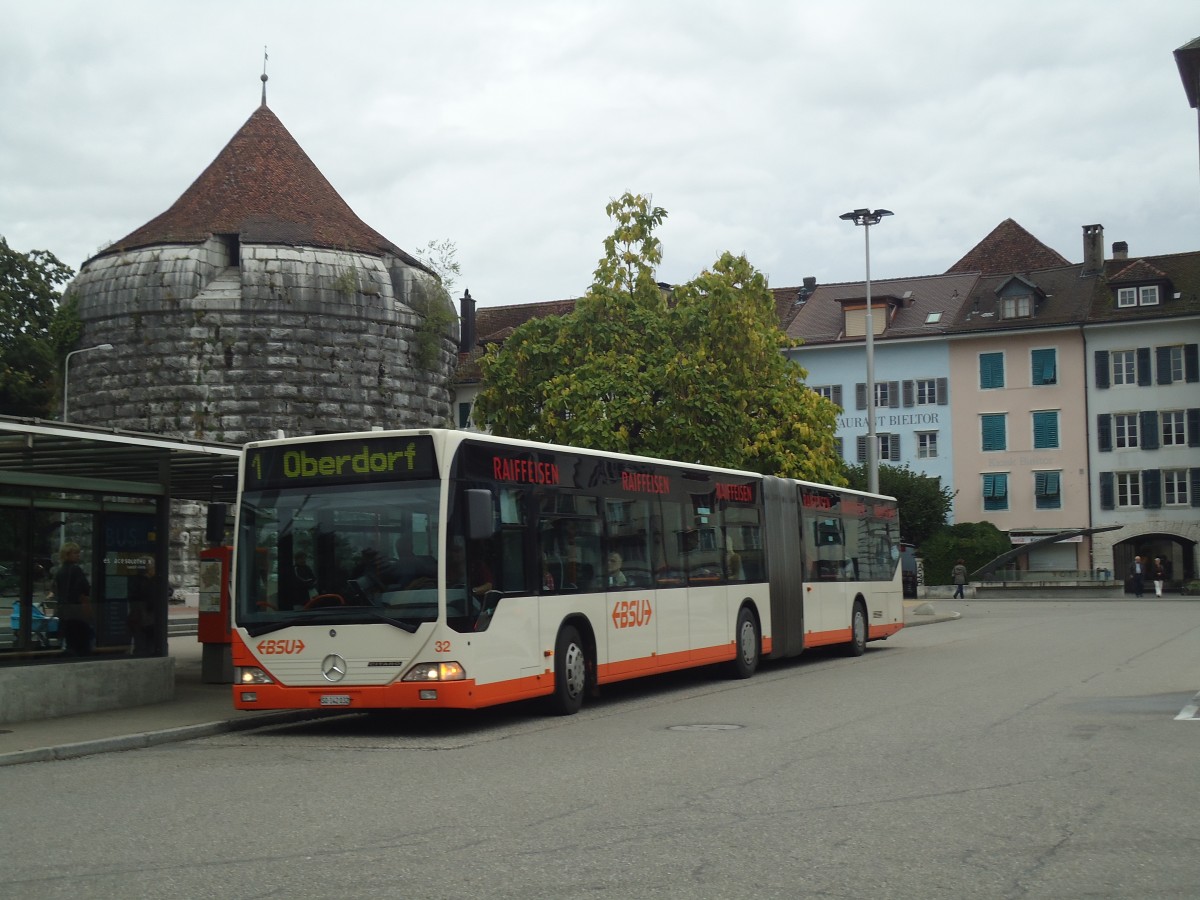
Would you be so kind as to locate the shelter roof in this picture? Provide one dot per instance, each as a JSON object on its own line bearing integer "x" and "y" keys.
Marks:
{"x": 79, "y": 457}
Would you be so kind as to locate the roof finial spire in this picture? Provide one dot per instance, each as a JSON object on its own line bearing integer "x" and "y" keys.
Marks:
{"x": 264, "y": 76}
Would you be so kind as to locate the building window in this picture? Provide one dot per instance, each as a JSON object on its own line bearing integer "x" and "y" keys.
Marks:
{"x": 887, "y": 394}
{"x": 995, "y": 491}
{"x": 1125, "y": 430}
{"x": 1174, "y": 363}
{"x": 991, "y": 370}
{"x": 1175, "y": 487}
{"x": 1045, "y": 429}
{"x": 888, "y": 447}
{"x": 831, "y": 392}
{"x": 1124, "y": 366}
{"x": 1174, "y": 428}
{"x": 994, "y": 431}
{"x": 926, "y": 444}
{"x": 1046, "y": 488}
{"x": 1137, "y": 296}
{"x": 464, "y": 415}
{"x": 838, "y": 447}
{"x": 1044, "y": 366}
{"x": 926, "y": 391}
{"x": 1129, "y": 489}
{"x": 1016, "y": 307}
{"x": 933, "y": 318}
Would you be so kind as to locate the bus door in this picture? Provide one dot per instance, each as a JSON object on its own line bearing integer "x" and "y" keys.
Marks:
{"x": 701, "y": 544}
{"x": 638, "y": 624}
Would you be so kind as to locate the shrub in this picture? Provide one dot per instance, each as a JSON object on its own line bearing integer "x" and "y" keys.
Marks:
{"x": 976, "y": 543}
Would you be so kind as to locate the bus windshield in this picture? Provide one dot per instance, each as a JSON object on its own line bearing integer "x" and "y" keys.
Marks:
{"x": 345, "y": 554}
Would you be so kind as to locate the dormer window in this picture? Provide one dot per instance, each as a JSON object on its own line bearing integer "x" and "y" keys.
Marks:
{"x": 1137, "y": 296}
{"x": 1016, "y": 307}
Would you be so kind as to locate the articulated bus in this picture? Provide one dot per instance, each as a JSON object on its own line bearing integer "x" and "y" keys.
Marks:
{"x": 432, "y": 568}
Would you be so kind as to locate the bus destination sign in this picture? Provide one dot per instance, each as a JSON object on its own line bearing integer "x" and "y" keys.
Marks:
{"x": 361, "y": 460}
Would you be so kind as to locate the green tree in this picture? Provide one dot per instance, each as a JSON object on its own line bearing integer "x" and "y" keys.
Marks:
{"x": 924, "y": 504}
{"x": 976, "y": 543}
{"x": 432, "y": 299}
{"x": 36, "y": 329}
{"x": 693, "y": 374}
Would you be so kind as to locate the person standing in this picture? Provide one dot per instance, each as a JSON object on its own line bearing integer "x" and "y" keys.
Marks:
{"x": 1138, "y": 572}
{"x": 73, "y": 594}
{"x": 143, "y": 609}
{"x": 1159, "y": 575}
{"x": 960, "y": 580}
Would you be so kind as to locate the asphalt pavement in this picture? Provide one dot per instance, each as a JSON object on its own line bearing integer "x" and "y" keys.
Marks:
{"x": 199, "y": 709}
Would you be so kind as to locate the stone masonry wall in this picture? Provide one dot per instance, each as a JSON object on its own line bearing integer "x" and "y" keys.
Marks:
{"x": 292, "y": 340}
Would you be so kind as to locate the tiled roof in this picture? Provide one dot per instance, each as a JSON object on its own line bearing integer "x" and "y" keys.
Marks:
{"x": 1062, "y": 295}
{"x": 821, "y": 319}
{"x": 1137, "y": 270}
{"x": 1008, "y": 248}
{"x": 263, "y": 187}
{"x": 495, "y": 324}
{"x": 1181, "y": 271}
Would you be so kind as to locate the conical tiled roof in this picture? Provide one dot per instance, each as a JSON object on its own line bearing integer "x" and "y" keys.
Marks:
{"x": 1009, "y": 248}
{"x": 263, "y": 187}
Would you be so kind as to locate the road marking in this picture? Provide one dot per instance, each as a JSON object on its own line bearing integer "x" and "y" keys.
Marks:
{"x": 1191, "y": 711}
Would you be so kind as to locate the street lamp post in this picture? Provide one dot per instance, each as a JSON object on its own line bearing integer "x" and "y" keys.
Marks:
{"x": 867, "y": 218}
{"x": 67, "y": 370}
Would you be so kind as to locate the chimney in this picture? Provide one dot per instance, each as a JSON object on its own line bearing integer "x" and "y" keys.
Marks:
{"x": 810, "y": 285}
{"x": 1120, "y": 250}
{"x": 1093, "y": 249}
{"x": 466, "y": 335}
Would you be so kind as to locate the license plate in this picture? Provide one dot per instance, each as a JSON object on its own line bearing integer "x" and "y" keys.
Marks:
{"x": 335, "y": 699}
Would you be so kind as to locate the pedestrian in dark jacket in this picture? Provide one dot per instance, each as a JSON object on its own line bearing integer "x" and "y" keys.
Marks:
{"x": 1138, "y": 573}
{"x": 960, "y": 580}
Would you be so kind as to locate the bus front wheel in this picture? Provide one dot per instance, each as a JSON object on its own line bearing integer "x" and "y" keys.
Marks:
{"x": 570, "y": 672}
{"x": 747, "y": 646}
{"x": 858, "y": 630}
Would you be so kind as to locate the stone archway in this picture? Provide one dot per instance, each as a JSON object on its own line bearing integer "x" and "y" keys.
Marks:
{"x": 1178, "y": 555}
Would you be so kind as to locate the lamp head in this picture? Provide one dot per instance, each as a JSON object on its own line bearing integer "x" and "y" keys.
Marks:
{"x": 865, "y": 216}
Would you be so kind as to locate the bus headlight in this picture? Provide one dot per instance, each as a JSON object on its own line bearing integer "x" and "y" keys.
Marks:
{"x": 252, "y": 675}
{"x": 439, "y": 671}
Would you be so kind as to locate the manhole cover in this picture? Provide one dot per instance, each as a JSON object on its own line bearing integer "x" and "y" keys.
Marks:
{"x": 703, "y": 727}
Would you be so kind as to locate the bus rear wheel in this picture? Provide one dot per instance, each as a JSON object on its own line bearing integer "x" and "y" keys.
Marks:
{"x": 858, "y": 630}
{"x": 570, "y": 672}
{"x": 747, "y": 645}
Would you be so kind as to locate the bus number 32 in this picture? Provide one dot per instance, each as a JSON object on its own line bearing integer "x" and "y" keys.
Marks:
{"x": 631, "y": 613}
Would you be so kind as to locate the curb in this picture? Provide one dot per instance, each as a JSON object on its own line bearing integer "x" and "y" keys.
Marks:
{"x": 154, "y": 738}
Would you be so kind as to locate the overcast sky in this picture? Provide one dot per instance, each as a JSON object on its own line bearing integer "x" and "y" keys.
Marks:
{"x": 505, "y": 127}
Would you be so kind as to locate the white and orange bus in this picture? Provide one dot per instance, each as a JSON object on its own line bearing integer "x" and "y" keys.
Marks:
{"x": 433, "y": 568}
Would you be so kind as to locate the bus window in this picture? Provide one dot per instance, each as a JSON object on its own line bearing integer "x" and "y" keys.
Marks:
{"x": 627, "y": 526}
{"x": 570, "y": 545}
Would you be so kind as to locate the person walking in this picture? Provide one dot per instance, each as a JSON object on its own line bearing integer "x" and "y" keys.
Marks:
{"x": 1138, "y": 572}
{"x": 1159, "y": 575}
{"x": 73, "y": 595}
{"x": 960, "y": 580}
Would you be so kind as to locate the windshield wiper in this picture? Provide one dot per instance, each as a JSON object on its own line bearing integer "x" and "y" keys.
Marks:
{"x": 353, "y": 615}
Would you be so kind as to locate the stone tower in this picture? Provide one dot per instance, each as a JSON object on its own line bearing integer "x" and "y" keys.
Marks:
{"x": 259, "y": 304}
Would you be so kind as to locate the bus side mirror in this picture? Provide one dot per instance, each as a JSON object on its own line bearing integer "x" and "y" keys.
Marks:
{"x": 480, "y": 523}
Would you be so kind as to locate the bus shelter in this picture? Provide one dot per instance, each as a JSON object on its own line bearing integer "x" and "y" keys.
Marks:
{"x": 99, "y": 499}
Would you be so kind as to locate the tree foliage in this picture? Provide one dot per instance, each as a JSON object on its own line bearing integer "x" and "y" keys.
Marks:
{"x": 976, "y": 543}
{"x": 924, "y": 503}
{"x": 693, "y": 374}
{"x": 36, "y": 329}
